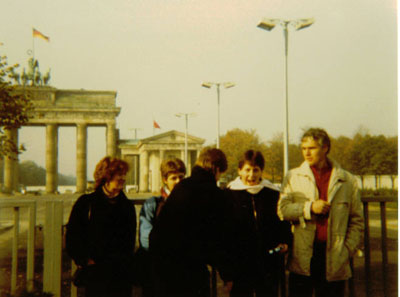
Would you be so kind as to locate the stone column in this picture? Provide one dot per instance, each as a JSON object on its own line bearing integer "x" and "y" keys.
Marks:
{"x": 159, "y": 177}
{"x": 111, "y": 140}
{"x": 10, "y": 163}
{"x": 189, "y": 163}
{"x": 183, "y": 155}
{"x": 136, "y": 169}
{"x": 51, "y": 157}
{"x": 144, "y": 172}
{"x": 81, "y": 158}
{"x": 162, "y": 155}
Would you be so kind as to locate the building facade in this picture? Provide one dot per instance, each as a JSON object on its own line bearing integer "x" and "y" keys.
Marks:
{"x": 145, "y": 156}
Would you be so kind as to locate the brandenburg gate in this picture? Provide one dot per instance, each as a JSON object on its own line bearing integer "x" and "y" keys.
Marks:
{"x": 54, "y": 108}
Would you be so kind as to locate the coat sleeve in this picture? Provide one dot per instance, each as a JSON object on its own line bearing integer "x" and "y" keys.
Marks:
{"x": 356, "y": 220}
{"x": 146, "y": 219}
{"x": 288, "y": 209}
{"x": 132, "y": 225}
{"x": 227, "y": 255}
{"x": 284, "y": 233}
{"x": 76, "y": 235}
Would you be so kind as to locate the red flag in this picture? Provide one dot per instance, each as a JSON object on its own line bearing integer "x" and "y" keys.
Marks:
{"x": 36, "y": 33}
{"x": 155, "y": 125}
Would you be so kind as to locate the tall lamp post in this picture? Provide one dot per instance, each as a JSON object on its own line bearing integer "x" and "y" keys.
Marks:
{"x": 226, "y": 85}
{"x": 185, "y": 115}
{"x": 269, "y": 24}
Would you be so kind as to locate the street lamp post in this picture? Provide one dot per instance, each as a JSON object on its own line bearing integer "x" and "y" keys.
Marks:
{"x": 186, "y": 115}
{"x": 269, "y": 24}
{"x": 226, "y": 85}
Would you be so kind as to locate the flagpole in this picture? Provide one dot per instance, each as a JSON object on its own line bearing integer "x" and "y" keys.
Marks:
{"x": 33, "y": 46}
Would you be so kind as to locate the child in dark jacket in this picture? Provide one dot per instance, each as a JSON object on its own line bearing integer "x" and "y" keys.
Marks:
{"x": 172, "y": 172}
{"x": 262, "y": 237}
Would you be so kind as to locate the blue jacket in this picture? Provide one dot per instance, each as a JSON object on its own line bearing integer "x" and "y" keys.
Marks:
{"x": 146, "y": 219}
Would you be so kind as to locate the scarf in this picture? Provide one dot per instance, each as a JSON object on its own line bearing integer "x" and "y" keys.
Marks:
{"x": 237, "y": 184}
{"x": 164, "y": 194}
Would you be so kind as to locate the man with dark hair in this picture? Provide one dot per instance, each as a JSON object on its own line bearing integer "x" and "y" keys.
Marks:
{"x": 192, "y": 231}
{"x": 323, "y": 202}
{"x": 262, "y": 237}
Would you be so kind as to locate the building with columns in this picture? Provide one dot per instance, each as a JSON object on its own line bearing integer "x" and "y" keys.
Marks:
{"x": 145, "y": 156}
{"x": 53, "y": 108}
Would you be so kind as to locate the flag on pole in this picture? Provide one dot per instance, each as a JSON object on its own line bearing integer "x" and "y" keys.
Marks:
{"x": 155, "y": 125}
{"x": 38, "y": 34}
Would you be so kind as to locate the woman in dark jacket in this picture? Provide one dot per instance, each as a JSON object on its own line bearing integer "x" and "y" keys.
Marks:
{"x": 262, "y": 236}
{"x": 101, "y": 233}
{"x": 192, "y": 231}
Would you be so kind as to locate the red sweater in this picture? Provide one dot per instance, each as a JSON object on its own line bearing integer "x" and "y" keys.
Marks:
{"x": 322, "y": 180}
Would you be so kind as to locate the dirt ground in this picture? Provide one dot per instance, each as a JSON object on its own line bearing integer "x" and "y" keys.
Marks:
{"x": 375, "y": 283}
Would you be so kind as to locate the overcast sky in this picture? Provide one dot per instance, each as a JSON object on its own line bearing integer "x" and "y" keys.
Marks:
{"x": 156, "y": 54}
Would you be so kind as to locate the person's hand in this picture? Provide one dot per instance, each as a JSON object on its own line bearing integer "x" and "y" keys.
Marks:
{"x": 283, "y": 248}
{"x": 320, "y": 207}
{"x": 228, "y": 286}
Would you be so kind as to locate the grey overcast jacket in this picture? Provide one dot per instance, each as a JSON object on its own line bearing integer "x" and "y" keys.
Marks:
{"x": 345, "y": 223}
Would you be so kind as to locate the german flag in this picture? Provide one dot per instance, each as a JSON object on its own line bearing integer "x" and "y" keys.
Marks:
{"x": 38, "y": 34}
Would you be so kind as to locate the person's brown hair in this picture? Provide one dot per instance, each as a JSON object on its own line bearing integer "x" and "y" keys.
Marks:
{"x": 254, "y": 158}
{"x": 170, "y": 166}
{"x": 107, "y": 168}
{"x": 212, "y": 158}
{"x": 318, "y": 135}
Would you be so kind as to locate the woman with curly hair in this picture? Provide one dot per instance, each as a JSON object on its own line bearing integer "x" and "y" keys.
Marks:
{"x": 101, "y": 232}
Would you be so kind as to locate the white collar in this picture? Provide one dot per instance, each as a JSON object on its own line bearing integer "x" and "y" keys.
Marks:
{"x": 237, "y": 184}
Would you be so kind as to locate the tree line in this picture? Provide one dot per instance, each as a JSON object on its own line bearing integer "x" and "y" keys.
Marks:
{"x": 362, "y": 155}
{"x": 31, "y": 174}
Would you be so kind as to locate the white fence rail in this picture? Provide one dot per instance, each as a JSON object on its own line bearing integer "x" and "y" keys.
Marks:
{"x": 52, "y": 247}
{"x": 52, "y": 243}
{"x": 16, "y": 205}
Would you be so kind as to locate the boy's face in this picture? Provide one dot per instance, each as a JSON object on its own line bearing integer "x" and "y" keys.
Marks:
{"x": 250, "y": 175}
{"x": 173, "y": 179}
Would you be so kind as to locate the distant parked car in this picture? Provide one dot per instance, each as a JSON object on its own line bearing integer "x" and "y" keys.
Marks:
{"x": 22, "y": 189}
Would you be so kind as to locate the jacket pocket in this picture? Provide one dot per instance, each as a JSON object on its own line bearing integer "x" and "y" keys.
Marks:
{"x": 339, "y": 258}
{"x": 339, "y": 217}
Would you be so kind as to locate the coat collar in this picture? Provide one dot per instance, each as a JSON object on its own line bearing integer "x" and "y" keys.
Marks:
{"x": 338, "y": 176}
{"x": 337, "y": 172}
{"x": 237, "y": 184}
{"x": 200, "y": 174}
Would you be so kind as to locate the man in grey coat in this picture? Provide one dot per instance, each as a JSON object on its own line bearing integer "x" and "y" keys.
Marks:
{"x": 323, "y": 202}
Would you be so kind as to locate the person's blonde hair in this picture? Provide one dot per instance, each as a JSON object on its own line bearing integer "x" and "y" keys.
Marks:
{"x": 212, "y": 158}
{"x": 318, "y": 135}
{"x": 107, "y": 168}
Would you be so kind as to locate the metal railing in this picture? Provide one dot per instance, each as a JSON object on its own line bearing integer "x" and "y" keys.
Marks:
{"x": 384, "y": 248}
{"x": 53, "y": 225}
